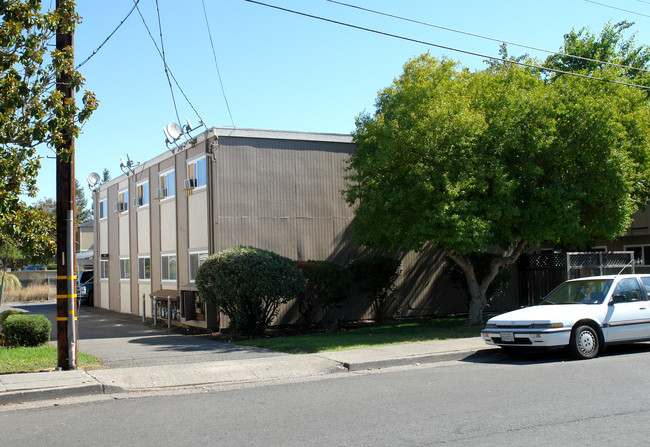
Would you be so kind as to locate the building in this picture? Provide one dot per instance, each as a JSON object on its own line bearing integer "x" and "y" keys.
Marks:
{"x": 279, "y": 191}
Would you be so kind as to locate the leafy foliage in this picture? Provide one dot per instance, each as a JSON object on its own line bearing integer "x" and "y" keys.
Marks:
{"x": 249, "y": 284}
{"x": 33, "y": 112}
{"x": 374, "y": 276}
{"x": 6, "y": 313}
{"x": 26, "y": 330}
{"x": 327, "y": 285}
{"x": 501, "y": 157}
{"x": 11, "y": 282}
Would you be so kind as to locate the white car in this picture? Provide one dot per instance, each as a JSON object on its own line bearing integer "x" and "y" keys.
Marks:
{"x": 584, "y": 314}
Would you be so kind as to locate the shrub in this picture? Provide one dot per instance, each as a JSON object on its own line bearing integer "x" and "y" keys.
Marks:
{"x": 27, "y": 330}
{"x": 327, "y": 284}
{"x": 11, "y": 282}
{"x": 5, "y": 313}
{"x": 248, "y": 284}
{"x": 375, "y": 276}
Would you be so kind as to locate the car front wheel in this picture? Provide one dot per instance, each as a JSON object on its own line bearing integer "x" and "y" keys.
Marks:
{"x": 584, "y": 342}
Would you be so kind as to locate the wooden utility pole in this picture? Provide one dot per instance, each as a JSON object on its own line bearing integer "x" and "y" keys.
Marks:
{"x": 66, "y": 271}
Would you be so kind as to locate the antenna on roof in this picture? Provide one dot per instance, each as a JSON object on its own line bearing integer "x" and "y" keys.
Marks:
{"x": 127, "y": 165}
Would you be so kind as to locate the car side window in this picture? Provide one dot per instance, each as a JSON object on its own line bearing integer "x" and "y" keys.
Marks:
{"x": 646, "y": 283}
{"x": 629, "y": 287}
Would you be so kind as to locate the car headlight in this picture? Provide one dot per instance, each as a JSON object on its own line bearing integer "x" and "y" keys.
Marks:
{"x": 82, "y": 290}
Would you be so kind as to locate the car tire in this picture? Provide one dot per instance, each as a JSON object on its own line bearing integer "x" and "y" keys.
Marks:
{"x": 584, "y": 342}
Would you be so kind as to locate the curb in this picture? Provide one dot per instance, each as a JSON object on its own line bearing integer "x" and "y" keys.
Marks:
{"x": 414, "y": 359}
{"x": 15, "y": 397}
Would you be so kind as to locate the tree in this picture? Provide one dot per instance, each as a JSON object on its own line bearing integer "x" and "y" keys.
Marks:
{"x": 32, "y": 112}
{"x": 496, "y": 159}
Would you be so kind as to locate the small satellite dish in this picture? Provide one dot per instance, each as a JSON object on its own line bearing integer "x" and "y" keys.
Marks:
{"x": 122, "y": 162}
{"x": 129, "y": 162}
{"x": 189, "y": 125}
{"x": 174, "y": 130}
{"x": 93, "y": 179}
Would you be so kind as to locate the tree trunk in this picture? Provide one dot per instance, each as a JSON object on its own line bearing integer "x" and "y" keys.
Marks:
{"x": 477, "y": 303}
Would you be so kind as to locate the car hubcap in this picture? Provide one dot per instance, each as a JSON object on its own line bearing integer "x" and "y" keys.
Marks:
{"x": 586, "y": 342}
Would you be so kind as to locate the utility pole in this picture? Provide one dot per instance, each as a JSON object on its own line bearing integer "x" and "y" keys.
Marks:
{"x": 66, "y": 293}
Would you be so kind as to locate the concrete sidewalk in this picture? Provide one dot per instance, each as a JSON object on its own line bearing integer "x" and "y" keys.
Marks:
{"x": 16, "y": 388}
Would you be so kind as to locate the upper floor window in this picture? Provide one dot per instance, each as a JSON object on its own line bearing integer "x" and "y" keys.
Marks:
{"x": 122, "y": 203}
{"x": 196, "y": 173}
{"x": 103, "y": 269}
{"x": 167, "y": 185}
{"x": 168, "y": 267}
{"x": 102, "y": 209}
{"x": 143, "y": 194}
{"x": 196, "y": 259}
{"x": 144, "y": 267}
{"x": 125, "y": 268}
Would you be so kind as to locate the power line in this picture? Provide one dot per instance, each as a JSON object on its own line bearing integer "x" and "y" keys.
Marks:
{"x": 153, "y": 40}
{"x": 162, "y": 46}
{"x": 373, "y": 11}
{"x": 443, "y": 47}
{"x": 109, "y": 36}
{"x": 214, "y": 55}
{"x": 619, "y": 9}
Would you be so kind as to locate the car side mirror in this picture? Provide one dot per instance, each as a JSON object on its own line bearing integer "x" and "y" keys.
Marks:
{"x": 617, "y": 299}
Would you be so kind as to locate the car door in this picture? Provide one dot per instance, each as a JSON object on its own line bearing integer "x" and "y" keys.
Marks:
{"x": 629, "y": 319}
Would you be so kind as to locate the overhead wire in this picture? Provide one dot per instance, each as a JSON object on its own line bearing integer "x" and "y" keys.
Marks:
{"x": 109, "y": 36}
{"x": 419, "y": 22}
{"x": 162, "y": 46}
{"x": 216, "y": 64}
{"x": 171, "y": 73}
{"x": 444, "y": 47}
{"x": 619, "y": 9}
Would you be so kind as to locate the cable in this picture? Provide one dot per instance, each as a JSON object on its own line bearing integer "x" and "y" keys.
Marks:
{"x": 619, "y": 9}
{"x": 480, "y": 36}
{"x": 162, "y": 46}
{"x": 214, "y": 55}
{"x": 109, "y": 36}
{"x": 153, "y": 40}
{"x": 471, "y": 53}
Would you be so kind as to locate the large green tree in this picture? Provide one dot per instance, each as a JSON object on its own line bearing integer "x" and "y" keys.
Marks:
{"x": 498, "y": 159}
{"x": 33, "y": 112}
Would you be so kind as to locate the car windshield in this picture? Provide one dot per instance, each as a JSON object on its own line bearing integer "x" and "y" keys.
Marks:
{"x": 588, "y": 291}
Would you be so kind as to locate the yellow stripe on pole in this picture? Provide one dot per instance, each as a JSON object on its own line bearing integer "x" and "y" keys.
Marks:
{"x": 61, "y": 318}
{"x": 67, "y": 277}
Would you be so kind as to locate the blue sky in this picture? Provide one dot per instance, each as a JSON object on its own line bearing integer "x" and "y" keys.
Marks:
{"x": 279, "y": 70}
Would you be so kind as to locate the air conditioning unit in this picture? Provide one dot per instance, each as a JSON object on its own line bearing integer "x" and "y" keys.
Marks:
{"x": 191, "y": 183}
{"x": 137, "y": 201}
{"x": 120, "y": 207}
{"x": 161, "y": 193}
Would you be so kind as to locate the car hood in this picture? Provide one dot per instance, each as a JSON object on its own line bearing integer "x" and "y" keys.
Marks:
{"x": 564, "y": 313}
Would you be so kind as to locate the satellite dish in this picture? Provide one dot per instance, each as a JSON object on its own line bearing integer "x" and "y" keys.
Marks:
{"x": 174, "y": 130}
{"x": 189, "y": 125}
{"x": 129, "y": 162}
{"x": 122, "y": 162}
{"x": 93, "y": 179}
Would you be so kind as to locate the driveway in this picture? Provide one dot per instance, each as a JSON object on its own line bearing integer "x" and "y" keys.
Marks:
{"x": 122, "y": 340}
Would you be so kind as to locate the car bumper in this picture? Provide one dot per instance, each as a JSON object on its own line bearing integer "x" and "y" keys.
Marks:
{"x": 526, "y": 337}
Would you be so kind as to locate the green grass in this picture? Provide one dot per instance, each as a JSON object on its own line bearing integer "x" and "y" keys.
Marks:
{"x": 39, "y": 358}
{"x": 363, "y": 337}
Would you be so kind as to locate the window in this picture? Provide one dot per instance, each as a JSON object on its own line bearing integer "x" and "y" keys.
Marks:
{"x": 168, "y": 183}
{"x": 102, "y": 209}
{"x": 144, "y": 267}
{"x": 143, "y": 194}
{"x": 196, "y": 259}
{"x": 196, "y": 170}
{"x": 629, "y": 288}
{"x": 168, "y": 268}
{"x": 123, "y": 198}
{"x": 125, "y": 268}
{"x": 641, "y": 254}
{"x": 103, "y": 269}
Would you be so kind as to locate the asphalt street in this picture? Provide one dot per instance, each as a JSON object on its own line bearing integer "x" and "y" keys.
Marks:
{"x": 535, "y": 400}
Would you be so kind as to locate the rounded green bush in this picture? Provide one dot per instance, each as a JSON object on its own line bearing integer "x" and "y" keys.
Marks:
{"x": 27, "y": 330}
{"x": 249, "y": 284}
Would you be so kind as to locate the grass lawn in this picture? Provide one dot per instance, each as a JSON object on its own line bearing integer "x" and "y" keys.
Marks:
{"x": 39, "y": 358}
{"x": 363, "y": 337}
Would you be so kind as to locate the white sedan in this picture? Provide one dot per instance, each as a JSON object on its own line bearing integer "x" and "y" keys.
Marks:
{"x": 585, "y": 314}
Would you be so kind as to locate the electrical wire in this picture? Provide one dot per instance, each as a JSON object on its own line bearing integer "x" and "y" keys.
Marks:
{"x": 155, "y": 44}
{"x": 214, "y": 55}
{"x": 619, "y": 9}
{"x": 162, "y": 46}
{"x": 109, "y": 36}
{"x": 443, "y": 47}
{"x": 419, "y": 22}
